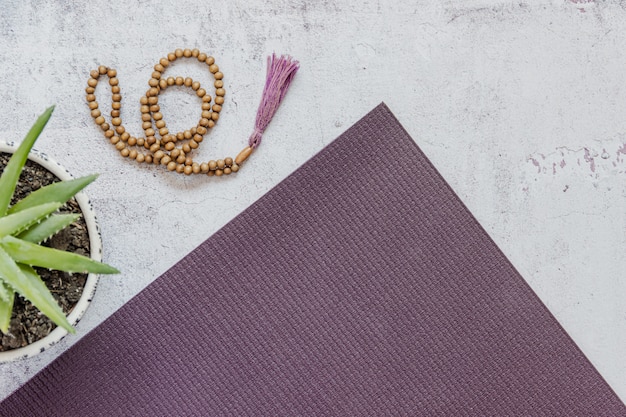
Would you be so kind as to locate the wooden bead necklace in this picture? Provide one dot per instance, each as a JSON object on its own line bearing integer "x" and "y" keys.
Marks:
{"x": 159, "y": 146}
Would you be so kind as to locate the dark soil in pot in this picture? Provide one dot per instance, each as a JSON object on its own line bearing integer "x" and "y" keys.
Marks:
{"x": 27, "y": 323}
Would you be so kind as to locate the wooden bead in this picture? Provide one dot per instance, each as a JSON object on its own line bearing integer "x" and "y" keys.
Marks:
{"x": 164, "y": 151}
{"x": 243, "y": 155}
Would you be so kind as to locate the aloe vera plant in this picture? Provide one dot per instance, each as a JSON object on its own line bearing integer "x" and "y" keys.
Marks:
{"x": 25, "y": 225}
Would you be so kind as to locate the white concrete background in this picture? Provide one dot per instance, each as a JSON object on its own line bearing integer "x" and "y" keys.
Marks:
{"x": 520, "y": 105}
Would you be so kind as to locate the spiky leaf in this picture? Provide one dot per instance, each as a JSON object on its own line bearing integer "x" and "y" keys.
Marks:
{"x": 12, "y": 171}
{"x": 48, "y": 227}
{"x": 35, "y": 255}
{"x": 25, "y": 280}
{"x": 22, "y": 220}
{"x": 6, "y": 307}
{"x": 6, "y": 292}
{"x": 59, "y": 192}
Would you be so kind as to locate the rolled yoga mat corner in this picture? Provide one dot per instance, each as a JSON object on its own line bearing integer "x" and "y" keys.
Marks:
{"x": 360, "y": 285}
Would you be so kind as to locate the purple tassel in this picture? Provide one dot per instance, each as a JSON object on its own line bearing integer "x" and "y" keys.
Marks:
{"x": 280, "y": 72}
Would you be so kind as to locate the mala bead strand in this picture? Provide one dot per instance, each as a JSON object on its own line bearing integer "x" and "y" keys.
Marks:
{"x": 159, "y": 146}
{"x": 173, "y": 150}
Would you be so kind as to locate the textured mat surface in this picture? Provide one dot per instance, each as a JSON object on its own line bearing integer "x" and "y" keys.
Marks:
{"x": 360, "y": 285}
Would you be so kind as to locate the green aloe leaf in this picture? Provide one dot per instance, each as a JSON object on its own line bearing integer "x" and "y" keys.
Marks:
{"x": 12, "y": 171}
{"x": 6, "y": 292}
{"x": 25, "y": 280}
{"x": 48, "y": 227}
{"x": 6, "y": 307}
{"x": 58, "y": 192}
{"x": 35, "y": 255}
{"x": 16, "y": 223}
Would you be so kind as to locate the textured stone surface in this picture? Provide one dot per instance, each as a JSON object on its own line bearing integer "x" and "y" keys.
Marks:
{"x": 519, "y": 105}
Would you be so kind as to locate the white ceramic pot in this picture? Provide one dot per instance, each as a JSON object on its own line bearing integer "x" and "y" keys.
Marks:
{"x": 95, "y": 244}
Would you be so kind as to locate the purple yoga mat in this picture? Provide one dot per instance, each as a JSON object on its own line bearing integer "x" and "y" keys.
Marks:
{"x": 359, "y": 286}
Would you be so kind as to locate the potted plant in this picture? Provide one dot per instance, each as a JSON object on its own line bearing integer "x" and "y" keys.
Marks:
{"x": 27, "y": 262}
